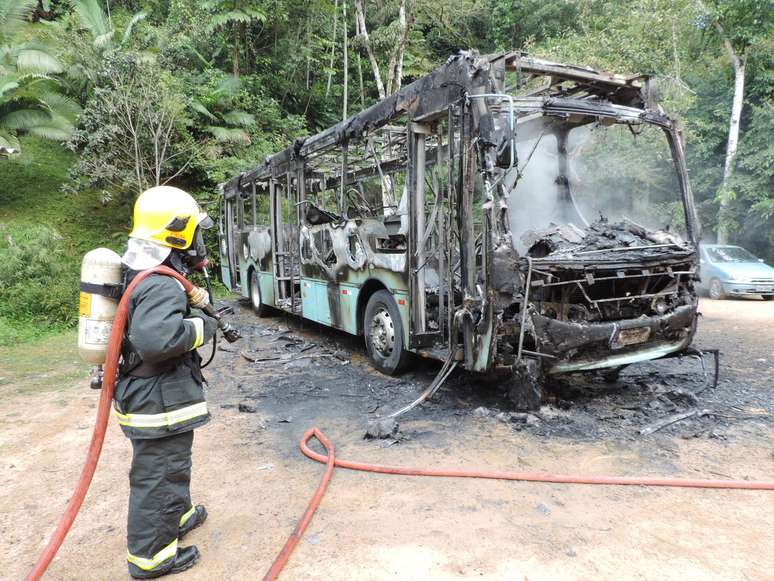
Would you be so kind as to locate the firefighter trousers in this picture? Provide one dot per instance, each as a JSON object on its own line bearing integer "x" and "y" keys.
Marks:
{"x": 159, "y": 499}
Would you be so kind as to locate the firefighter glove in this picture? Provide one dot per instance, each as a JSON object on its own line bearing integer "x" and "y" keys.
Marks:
{"x": 198, "y": 297}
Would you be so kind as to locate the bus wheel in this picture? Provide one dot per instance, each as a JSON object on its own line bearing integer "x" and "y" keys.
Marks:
{"x": 383, "y": 330}
{"x": 525, "y": 388}
{"x": 255, "y": 296}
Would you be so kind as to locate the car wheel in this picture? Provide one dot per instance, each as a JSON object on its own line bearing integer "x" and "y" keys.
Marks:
{"x": 383, "y": 330}
{"x": 768, "y": 297}
{"x": 716, "y": 291}
{"x": 259, "y": 307}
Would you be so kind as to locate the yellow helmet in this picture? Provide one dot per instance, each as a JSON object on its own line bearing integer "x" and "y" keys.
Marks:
{"x": 168, "y": 216}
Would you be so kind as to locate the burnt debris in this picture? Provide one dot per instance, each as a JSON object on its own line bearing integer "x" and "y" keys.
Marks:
{"x": 568, "y": 240}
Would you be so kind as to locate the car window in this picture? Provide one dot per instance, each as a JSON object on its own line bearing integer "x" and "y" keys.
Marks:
{"x": 730, "y": 254}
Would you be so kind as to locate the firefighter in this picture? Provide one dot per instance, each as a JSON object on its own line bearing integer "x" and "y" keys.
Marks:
{"x": 159, "y": 397}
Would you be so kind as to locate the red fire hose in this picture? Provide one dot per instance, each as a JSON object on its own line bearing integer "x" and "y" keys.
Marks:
{"x": 100, "y": 426}
{"x": 331, "y": 462}
{"x": 103, "y": 411}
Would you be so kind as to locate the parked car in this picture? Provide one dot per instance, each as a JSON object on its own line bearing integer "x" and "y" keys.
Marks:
{"x": 732, "y": 270}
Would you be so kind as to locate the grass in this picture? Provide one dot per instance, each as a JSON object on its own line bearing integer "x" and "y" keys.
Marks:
{"x": 42, "y": 364}
{"x": 31, "y": 194}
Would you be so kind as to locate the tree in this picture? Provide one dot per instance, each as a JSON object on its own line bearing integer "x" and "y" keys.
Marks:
{"x": 392, "y": 34}
{"x": 740, "y": 25}
{"x": 29, "y": 97}
{"x": 225, "y": 123}
{"x": 234, "y": 16}
{"x": 133, "y": 132}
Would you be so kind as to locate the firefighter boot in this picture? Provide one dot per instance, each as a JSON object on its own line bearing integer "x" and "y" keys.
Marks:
{"x": 191, "y": 520}
{"x": 184, "y": 559}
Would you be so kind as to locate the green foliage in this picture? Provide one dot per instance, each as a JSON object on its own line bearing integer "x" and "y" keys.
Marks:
{"x": 49, "y": 231}
{"x": 744, "y": 22}
{"x": 521, "y": 23}
{"x": 29, "y": 98}
{"x": 753, "y": 182}
{"x": 36, "y": 281}
{"x": 133, "y": 133}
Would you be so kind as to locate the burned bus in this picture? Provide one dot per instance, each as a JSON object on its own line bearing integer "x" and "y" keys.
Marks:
{"x": 504, "y": 212}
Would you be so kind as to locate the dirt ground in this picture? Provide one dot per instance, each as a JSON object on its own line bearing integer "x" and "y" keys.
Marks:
{"x": 286, "y": 376}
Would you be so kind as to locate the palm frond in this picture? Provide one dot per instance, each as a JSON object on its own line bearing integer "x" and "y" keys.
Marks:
{"x": 255, "y": 14}
{"x": 61, "y": 105}
{"x": 128, "y": 32}
{"x": 56, "y": 129}
{"x": 241, "y": 118}
{"x": 230, "y": 17}
{"x": 8, "y": 83}
{"x": 229, "y": 135}
{"x": 24, "y": 119}
{"x": 34, "y": 59}
{"x": 104, "y": 40}
{"x": 13, "y": 15}
{"x": 93, "y": 18}
{"x": 200, "y": 108}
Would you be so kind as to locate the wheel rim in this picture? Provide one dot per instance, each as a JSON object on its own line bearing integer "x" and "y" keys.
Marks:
{"x": 255, "y": 290}
{"x": 715, "y": 289}
{"x": 382, "y": 332}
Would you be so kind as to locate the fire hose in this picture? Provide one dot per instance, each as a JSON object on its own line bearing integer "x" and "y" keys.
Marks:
{"x": 331, "y": 461}
{"x": 103, "y": 412}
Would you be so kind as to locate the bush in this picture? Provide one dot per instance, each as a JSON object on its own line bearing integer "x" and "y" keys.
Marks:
{"x": 38, "y": 282}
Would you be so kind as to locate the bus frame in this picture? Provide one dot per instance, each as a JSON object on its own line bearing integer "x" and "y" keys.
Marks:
{"x": 437, "y": 256}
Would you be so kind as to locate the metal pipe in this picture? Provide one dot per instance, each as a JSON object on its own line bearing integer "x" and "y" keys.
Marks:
{"x": 524, "y": 309}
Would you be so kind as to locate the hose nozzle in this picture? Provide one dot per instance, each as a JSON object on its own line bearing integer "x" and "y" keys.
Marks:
{"x": 230, "y": 332}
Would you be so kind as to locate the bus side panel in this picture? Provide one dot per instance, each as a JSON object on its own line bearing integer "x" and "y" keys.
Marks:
{"x": 314, "y": 301}
{"x": 404, "y": 306}
{"x": 348, "y": 294}
{"x": 225, "y": 273}
{"x": 244, "y": 280}
{"x": 266, "y": 281}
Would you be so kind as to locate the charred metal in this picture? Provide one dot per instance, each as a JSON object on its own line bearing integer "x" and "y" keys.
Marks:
{"x": 470, "y": 196}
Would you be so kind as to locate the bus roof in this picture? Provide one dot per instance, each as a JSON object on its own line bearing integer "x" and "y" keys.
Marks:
{"x": 464, "y": 73}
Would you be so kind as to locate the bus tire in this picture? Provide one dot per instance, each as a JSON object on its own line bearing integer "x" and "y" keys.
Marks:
{"x": 259, "y": 307}
{"x": 383, "y": 331}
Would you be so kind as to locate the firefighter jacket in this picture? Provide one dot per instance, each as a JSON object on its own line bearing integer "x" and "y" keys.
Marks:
{"x": 160, "y": 388}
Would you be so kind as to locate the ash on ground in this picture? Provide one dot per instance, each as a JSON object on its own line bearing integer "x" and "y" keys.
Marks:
{"x": 300, "y": 373}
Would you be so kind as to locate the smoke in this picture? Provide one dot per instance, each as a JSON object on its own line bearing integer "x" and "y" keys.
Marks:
{"x": 609, "y": 171}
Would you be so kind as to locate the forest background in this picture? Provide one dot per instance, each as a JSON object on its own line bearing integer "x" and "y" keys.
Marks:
{"x": 100, "y": 100}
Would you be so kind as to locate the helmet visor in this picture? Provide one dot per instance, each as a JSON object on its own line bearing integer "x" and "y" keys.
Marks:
{"x": 205, "y": 222}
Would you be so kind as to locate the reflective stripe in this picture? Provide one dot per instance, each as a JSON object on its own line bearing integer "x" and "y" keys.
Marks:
{"x": 167, "y": 552}
{"x": 198, "y": 324}
{"x": 186, "y": 515}
{"x": 164, "y": 419}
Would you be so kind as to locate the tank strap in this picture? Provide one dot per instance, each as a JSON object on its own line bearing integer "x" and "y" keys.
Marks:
{"x": 112, "y": 291}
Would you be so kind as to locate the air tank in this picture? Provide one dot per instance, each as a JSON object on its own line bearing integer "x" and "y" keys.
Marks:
{"x": 100, "y": 271}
